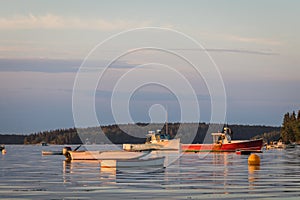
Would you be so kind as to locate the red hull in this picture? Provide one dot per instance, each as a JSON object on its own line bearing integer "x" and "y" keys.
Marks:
{"x": 230, "y": 147}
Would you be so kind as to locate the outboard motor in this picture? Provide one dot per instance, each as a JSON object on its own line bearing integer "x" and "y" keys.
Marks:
{"x": 65, "y": 150}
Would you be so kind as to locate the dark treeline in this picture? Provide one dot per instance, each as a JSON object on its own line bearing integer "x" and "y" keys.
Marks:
{"x": 269, "y": 136}
{"x": 58, "y": 136}
{"x": 12, "y": 139}
{"x": 136, "y": 133}
{"x": 290, "y": 131}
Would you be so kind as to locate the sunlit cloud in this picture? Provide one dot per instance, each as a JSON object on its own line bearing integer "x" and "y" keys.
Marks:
{"x": 51, "y": 21}
{"x": 16, "y": 48}
{"x": 223, "y": 50}
{"x": 257, "y": 40}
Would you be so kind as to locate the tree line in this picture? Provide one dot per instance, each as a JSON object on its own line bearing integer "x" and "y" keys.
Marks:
{"x": 136, "y": 133}
{"x": 290, "y": 130}
{"x": 58, "y": 136}
{"x": 11, "y": 139}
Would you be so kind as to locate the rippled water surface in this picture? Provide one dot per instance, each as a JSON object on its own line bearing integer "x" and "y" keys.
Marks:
{"x": 26, "y": 174}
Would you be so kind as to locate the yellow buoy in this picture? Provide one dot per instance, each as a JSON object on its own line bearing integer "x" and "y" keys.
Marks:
{"x": 253, "y": 160}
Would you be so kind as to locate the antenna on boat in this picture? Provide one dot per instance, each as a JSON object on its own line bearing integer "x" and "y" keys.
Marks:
{"x": 167, "y": 128}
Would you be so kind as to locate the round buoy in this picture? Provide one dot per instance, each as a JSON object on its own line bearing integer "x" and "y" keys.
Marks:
{"x": 3, "y": 151}
{"x": 253, "y": 159}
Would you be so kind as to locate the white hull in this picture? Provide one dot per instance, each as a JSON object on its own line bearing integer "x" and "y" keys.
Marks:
{"x": 164, "y": 145}
{"x": 134, "y": 163}
{"x": 103, "y": 155}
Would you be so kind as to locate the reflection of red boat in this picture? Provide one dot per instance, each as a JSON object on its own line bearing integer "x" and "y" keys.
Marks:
{"x": 222, "y": 143}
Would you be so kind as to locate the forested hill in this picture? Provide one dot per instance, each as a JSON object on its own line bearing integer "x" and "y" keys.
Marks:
{"x": 12, "y": 139}
{"x": 118, "y": 133}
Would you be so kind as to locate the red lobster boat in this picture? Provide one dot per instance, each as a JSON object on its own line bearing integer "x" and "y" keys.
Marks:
{"x": 222, "y": 143}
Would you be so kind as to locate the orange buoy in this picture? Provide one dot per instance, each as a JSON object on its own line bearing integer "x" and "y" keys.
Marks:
{"x": 253, "y": 159}
{"x": 3, "y": 151}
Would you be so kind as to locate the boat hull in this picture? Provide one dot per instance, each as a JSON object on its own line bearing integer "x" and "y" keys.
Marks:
{"x": 134, "y": 163}
{"x": 254, "y": 145}
{"x": 164, "y": 145}
{"x": 103, "y": 155}
{"x": 48, "y": 153}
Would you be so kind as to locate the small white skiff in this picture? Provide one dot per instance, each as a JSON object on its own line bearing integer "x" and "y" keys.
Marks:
{"x": 156, "y": 163}
{"x": 103, "y": 155}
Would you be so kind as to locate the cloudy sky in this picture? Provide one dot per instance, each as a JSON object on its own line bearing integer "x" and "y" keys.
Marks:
{"x": 253, "y": 45}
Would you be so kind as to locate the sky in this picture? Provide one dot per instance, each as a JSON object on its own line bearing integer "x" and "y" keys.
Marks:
{"x": 247, "y": 54}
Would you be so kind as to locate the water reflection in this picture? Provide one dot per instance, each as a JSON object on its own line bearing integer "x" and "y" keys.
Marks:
{"x": 28, "y": 175}
{"x": 293, "y": 156}
{"x": 222, "y": 175}
{"x": 108, "y": 175}
{"x": 221, "y": 172}
{"x": 220, "y": 163}
{"x": 253, "y": 175}
{"x": 81, "y": 171}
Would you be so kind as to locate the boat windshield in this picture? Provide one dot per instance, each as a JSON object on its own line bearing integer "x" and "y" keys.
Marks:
{"x": 164, "y": 136}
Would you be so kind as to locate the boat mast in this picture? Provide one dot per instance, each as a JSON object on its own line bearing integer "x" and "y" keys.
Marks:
{"x": 167, "y": 128}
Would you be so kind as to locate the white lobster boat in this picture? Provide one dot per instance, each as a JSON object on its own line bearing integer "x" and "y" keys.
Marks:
{"x": 155, "y": 141}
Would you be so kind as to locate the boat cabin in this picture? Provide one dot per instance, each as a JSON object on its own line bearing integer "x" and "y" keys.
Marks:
{"x": 222, "y": 138}
{"x": 155, "y": 137}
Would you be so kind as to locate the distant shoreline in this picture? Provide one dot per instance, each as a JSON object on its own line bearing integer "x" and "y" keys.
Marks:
{"x": 115, "y": 133}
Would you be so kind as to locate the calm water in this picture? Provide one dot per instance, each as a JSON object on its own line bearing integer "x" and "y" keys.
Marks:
{"x": 26, "y": 174}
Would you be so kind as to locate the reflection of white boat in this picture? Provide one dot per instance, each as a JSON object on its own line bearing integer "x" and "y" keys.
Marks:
{"x": 103, "y": 155}
{"x": 157, "y": 162}
{"x": 155, "y": 141}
